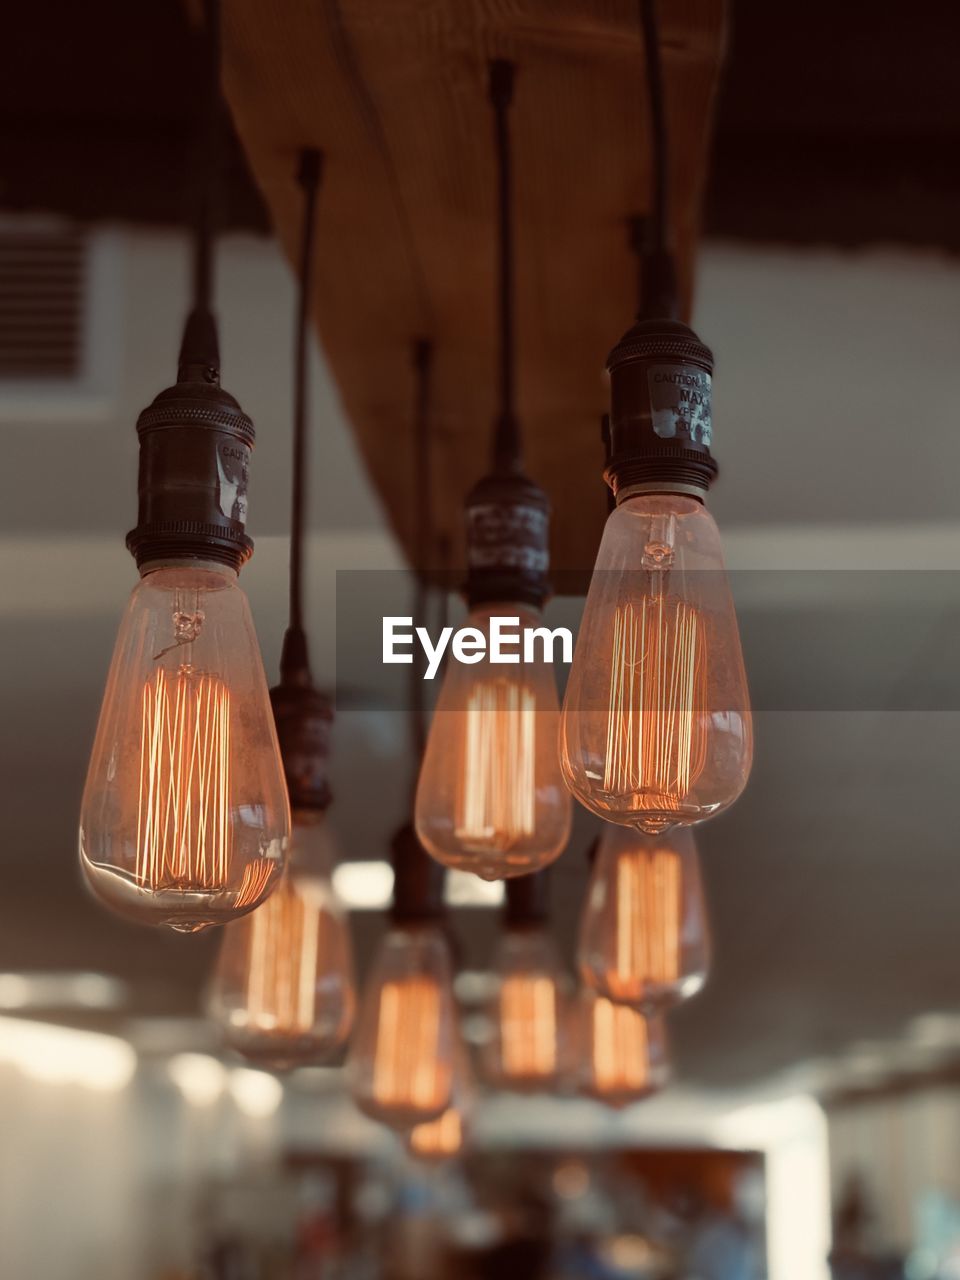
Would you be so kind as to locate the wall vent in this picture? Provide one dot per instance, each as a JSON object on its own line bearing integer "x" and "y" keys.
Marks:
{"x": 43, "y": 286}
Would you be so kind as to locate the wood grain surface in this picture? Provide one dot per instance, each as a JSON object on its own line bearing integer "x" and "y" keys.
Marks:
{"x": 394, "y": 93}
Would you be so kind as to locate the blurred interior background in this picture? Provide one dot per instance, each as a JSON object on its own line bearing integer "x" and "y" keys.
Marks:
{"x": 813, "y": 1124}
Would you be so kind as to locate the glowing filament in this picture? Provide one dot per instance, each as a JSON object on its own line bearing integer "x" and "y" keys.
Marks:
{"x": 528, "y": 1026}
{"x": 282, "y": 972}
{"x": 648, "y": 907}
{"x": 409, "y": 1072}
{"x": 183, "y": 819}
{"x": 436, "y": 1139}
{"x": 656, "y": 744}
{"x": 498, "y": 787}
{"x": 620, "y": 1049}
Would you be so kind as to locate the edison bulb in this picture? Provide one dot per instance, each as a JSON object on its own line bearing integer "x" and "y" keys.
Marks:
{"x": 402, "y": 1057}
{"x": 436, "y": 1140}
{"x": 185, "y": 816}
{"x": 529, "y": 1015}
{"x": 623, "y": 1056}
{"x": 656, "y": 727}
{"x": 644, "y": 935}
{"x": 283, "y": 991}
{"x": 491, "y": 798}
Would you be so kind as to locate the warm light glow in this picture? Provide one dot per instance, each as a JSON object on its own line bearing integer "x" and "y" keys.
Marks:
{"x": 498, "y": 783}
{"x": 490, "y": 797}
{"x": 185, "y": 815}
{"x": 401, "y": 1065}
{"x": 283, "y": 989}
{"x": 528, "y": 1027}
{"x": 438, "y": 1139}
{"x": 364, "y": 886}
{"x": 644, "y": 935}
{"x": 282, "y": 970}
{"x": 656, "y": 746}
{"x": 625, "y": 1052}
{"x": 409, "y": 1073}
{"x": 183, "y": 828}
{"x": 656, "y": 729}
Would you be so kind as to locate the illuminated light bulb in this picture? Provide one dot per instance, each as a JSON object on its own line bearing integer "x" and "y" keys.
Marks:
{"x": 439, "y": 1139}
{"x": 656, "y": 727}
{"x": 530, "y": 1011}
{"x": 623, "y": 1053}
{"x": 185, "y": 817}
{"x": 283, "y": 990}
{"x": 491, "y": 797}
{"x": 644, "y": 934}
{"x": 402, "y": 1056}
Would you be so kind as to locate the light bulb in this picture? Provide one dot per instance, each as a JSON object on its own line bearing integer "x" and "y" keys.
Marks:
{"x": 439, "y": 1139}
{"x": 644, "y": 935}
{"x": 491, "y": 798}
{"x": 529, "y": 1014}
{"x": 623, "y": 1055}
{"x": 402, "y": 1057}
{"x": 185, "y": 817}
{"x": 656, "y": 727}
{"x": 283, "y": 990}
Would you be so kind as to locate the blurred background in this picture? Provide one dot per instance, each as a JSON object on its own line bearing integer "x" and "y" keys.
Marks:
{"x": 812, "y": 1127}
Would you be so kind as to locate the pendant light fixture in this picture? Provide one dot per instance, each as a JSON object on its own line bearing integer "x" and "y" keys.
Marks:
{"x": 623, "y": 1053}
{"x": 283, "y": 991}
{"x": 644, "y": 933}
{"x": 184, "y": 818}
{"x": 491, "y": 798}
{"x": 403, "y": 1059}
{"x": 656, "y": 726}
{"x": 530, "y": 1013}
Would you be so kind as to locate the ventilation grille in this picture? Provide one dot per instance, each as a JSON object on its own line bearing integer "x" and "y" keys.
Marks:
{"x": 42, "y": 287}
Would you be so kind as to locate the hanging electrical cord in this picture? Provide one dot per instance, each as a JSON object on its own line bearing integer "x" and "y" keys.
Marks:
{"x": 423, "y": 500}
{"x": 506, "y": 441}
{"x": 200, "y": 350}
{"x": 507, "y": 513}
{"x": 650, "y": 236}
{"x": 302, "y": 713}
{"x": 308, "y": 176}
{"x": 418, "y": 880}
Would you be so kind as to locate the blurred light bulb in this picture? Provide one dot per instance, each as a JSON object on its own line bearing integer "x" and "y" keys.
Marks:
{"x": 438, "y": 1139}
{"x": 624, "y": 1053}
{"x": 656, "y": 727}
{"x": 491, "y": 798}
{"x": 401, "y": 1061}
{"x": 283, "y": 990}
{"x": 185, "y": 815}
{"x": 644, "y": 934}
{"x": 529, "y": 1013}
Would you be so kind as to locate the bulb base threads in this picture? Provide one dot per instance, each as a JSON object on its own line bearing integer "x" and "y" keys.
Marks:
{"x": 195, "y": 445}
{"x": 660, "y": 426}
{"x": 508, "y": 537}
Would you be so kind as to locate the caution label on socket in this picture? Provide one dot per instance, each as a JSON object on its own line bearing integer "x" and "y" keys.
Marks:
{"x": 680, "y": 402}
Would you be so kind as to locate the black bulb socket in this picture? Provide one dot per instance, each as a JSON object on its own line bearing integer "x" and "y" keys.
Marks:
{"x": 508, "y": 541}
{"x": 660, "y": 423}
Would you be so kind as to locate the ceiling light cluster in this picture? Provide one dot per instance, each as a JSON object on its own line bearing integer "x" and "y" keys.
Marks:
{"x": 196, "y": 770}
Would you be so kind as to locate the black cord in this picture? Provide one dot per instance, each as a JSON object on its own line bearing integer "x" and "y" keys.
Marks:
{"x": 658, "y": 125}
{"x": 308, "y": 176}
{"x": 650, "y": 236}
{"x": 423, "y": 499}
{"x": 506, "y": 436}
{"x": 200, "y": 348}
